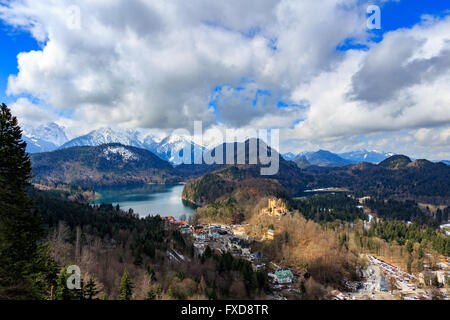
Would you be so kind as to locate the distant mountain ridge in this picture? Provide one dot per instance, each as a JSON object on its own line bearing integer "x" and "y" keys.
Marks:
{"x": 51, "y": 136}
{"x": 397, "y": 177}
{"x": 107, "y": 135}
{"x": 324, "y": 158}
{"x": 168, "y": 149}
{"x": 366, "y": 156}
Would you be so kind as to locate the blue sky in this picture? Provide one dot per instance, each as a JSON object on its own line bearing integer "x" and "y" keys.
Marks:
{"x": 257, "y": 64}
{"x": 12, "y": 42}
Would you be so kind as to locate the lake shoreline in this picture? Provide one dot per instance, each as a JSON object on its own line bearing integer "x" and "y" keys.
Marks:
{"x": 147, "y": 199}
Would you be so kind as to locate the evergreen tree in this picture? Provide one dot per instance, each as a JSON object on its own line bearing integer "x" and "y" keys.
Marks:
{"x": 436, "y": 282}
{"x": 159, "y": 292}
{"x": 409, "y": 265}
{"x": 62, "y": 292}
{"x": 420, "y": 253}
{"x": 409, "y": 247}
{"x": 126, "y": 287}
{"x": 302, "y": 290}
{"x": 151, "y": 294}
{"x": 25, "y": 267}
{"x": 90, "y": 290}
{"x": 151, "y": 273}
{"x": 212, "y": 293}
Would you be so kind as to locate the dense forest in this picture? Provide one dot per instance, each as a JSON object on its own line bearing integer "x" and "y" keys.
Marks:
{"x": 105, "y": 240}
{"x": 328, "y": 208}
{"x": 401, "y": 233}
{"x": 395, "y": 178}
{"x": 407, "y": 211}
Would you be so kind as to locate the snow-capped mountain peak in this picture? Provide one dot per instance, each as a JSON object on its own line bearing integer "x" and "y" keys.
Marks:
{"x": 50, "y": 132}
{"x": 101, "y": 136}
{"x": 44, "y": 138}
{"x": 169, "y": 149}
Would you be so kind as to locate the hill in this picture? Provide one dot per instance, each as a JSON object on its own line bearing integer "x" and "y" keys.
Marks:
{"x": 105, "y": 165}
{"x": 395, "y": 162}
{"x": 302, "y": 162}
{"x": 396, "y": 177}
{"x": 323, "y": 158}
{"x": 231, "y": 195}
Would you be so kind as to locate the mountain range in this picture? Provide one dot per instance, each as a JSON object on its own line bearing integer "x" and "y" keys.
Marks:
{"x": 366, "y": 156}
{"x": 116, "y": 164}
{"x": 50, "y": 137}
{"x": 397, "y": 177}
{"x": 324, "y": 158}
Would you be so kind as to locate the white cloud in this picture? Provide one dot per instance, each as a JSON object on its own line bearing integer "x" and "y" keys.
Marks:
{"x": 401, "y": 84}
{"x": 29, "y": 113}
{"x": 155, "y": 64}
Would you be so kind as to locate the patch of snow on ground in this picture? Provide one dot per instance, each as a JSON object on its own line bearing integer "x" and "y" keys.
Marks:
{"x": 123, "y": 152}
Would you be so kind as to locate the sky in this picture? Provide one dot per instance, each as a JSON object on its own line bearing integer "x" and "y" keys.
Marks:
{"x": 312, "y": 69}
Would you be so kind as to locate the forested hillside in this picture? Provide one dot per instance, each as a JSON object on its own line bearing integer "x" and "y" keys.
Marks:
{"x": 105, "y": 165}
{"x": 394, "y": 178}
{"x": 104, "y": 241}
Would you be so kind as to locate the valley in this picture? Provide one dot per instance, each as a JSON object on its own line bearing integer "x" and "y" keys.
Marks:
{"x": 224, "y": 230}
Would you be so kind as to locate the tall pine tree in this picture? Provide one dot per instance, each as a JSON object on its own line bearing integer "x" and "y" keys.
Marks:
{"x": 25, "y": 268}
{"x": 62, "y": 292}
{"x": 126, "y": 287}
{"x": 90, "y": 290}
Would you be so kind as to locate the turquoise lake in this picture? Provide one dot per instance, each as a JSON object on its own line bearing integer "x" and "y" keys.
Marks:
{"x": 145, "y": 200}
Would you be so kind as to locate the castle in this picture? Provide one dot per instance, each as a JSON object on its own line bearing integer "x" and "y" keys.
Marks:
{"x": 276, "y": 208}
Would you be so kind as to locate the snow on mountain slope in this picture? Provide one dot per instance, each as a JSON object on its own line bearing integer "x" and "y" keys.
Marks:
{"x": 126, "y": 154}
{"x": 289, "y": 156}
{"x": 44, "y": 138}
{"x": 101, "y": 136}
{"x": 169, "y": 148}
{"x": 366, "y": 156}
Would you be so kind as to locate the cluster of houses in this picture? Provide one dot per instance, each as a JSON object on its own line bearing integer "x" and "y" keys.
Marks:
{"x": 235, "y": 244}
{"x": 173, "y": 221}
{"x": 228, "y": 238}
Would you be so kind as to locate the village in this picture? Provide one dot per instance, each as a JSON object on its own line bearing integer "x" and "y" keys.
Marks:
{"x": 232, "y": 238}
{"x": 380, "y": 281}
